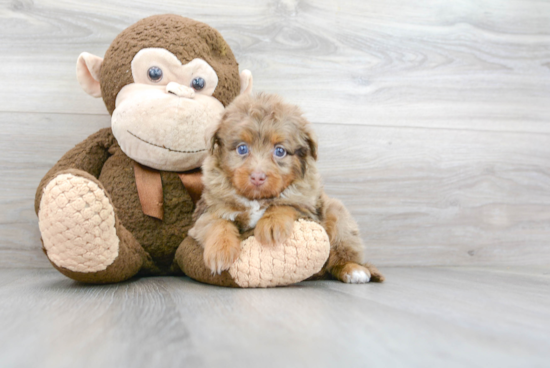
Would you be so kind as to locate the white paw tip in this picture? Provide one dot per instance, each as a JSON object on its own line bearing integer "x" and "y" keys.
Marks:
{"x": 358, "y": 277}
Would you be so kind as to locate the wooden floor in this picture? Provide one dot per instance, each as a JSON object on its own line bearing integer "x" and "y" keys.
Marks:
{"x": 421, "y": 317}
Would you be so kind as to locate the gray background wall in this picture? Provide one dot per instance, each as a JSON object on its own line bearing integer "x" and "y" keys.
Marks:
{"x": 433, "y": 116}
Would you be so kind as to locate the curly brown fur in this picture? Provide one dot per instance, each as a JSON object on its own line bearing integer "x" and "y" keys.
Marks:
{"x": 267, "y": 191}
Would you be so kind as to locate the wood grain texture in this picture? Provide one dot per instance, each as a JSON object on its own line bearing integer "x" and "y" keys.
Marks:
{"x": 442, "y": 197}
{"x": 421, "y": 317}
{"x": 433, "y": 118}
{"x": 476, "y": 64}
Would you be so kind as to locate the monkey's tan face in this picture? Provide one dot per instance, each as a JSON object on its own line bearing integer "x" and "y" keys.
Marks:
{"x": 163, "y": 118}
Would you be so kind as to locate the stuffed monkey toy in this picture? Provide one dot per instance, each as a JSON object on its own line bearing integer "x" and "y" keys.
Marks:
{"x": 120, "y": 203}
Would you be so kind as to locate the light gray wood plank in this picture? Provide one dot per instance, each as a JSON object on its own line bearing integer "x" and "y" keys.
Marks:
{"x": 473, "y": 64}
{"x": 420, "y": 317}
{"x": 442, "y": 197}
{"x": 420, "y": 196}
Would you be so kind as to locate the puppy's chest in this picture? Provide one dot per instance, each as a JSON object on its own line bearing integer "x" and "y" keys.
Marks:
{"x": 248, "y": 215}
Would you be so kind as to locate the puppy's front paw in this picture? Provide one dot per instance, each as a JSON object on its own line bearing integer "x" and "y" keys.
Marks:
{"x": 353, "y": 273}
{"x": 273, "y": 229}
{"x": 221, "y": 253}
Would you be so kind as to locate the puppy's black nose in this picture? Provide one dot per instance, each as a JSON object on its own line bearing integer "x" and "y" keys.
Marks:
{"x": 257, "y": 178}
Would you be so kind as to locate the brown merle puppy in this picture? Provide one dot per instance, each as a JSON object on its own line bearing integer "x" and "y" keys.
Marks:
{"x": 261, "y": 176}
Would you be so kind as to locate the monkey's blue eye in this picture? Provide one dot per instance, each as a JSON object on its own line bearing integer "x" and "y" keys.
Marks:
{"x": 154, "y": 73}
{"x": 280, "y": 152}
{"x": 198, "y": 83}
{"x": 242, "y": 149}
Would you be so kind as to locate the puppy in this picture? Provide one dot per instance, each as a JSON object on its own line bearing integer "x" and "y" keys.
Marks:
{"x": 261, "y": 176}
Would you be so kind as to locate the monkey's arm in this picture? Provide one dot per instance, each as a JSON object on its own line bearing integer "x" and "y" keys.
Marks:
{"x": 89, "y": 156}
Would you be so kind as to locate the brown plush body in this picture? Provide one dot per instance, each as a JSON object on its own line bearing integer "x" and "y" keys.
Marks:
{"x": 105, "y": 161}
{"x": 120, "y": 203}
{"x": 261, "y": 176}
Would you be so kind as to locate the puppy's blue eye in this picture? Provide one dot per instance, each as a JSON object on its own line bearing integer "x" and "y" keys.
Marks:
{"x": 242, "y": 149}
{"x": 198, "y": 83}
{"x": 280, "y": 152}
{"x": 154, "y": 73}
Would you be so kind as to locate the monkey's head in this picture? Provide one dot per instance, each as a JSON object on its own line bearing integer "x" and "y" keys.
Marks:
{"x": 165, "y": 80}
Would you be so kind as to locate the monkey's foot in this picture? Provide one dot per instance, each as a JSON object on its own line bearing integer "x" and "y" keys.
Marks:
{"x": 77, "y": 223}
{"x": 299, "y": 257}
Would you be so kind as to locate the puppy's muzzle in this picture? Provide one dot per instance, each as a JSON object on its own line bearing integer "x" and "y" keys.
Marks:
{"x": 258, "y": 178}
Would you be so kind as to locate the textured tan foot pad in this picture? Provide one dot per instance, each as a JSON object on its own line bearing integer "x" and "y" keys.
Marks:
{"x": 77, "y": 223}
{"x": 300, "y": 257}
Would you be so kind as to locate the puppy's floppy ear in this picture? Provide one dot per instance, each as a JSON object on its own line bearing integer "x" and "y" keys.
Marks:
{"x": 311, "y": 139}
{"x": 215, "y": 141}
{"x": 211, "y": 136}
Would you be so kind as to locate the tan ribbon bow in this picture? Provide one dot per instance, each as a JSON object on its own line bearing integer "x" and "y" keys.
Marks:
{"x": 149, "y": 187}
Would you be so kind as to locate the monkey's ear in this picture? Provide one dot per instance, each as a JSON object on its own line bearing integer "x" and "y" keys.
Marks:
{"x": 87, "y": 73}
{"x": 246, "y": 82}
